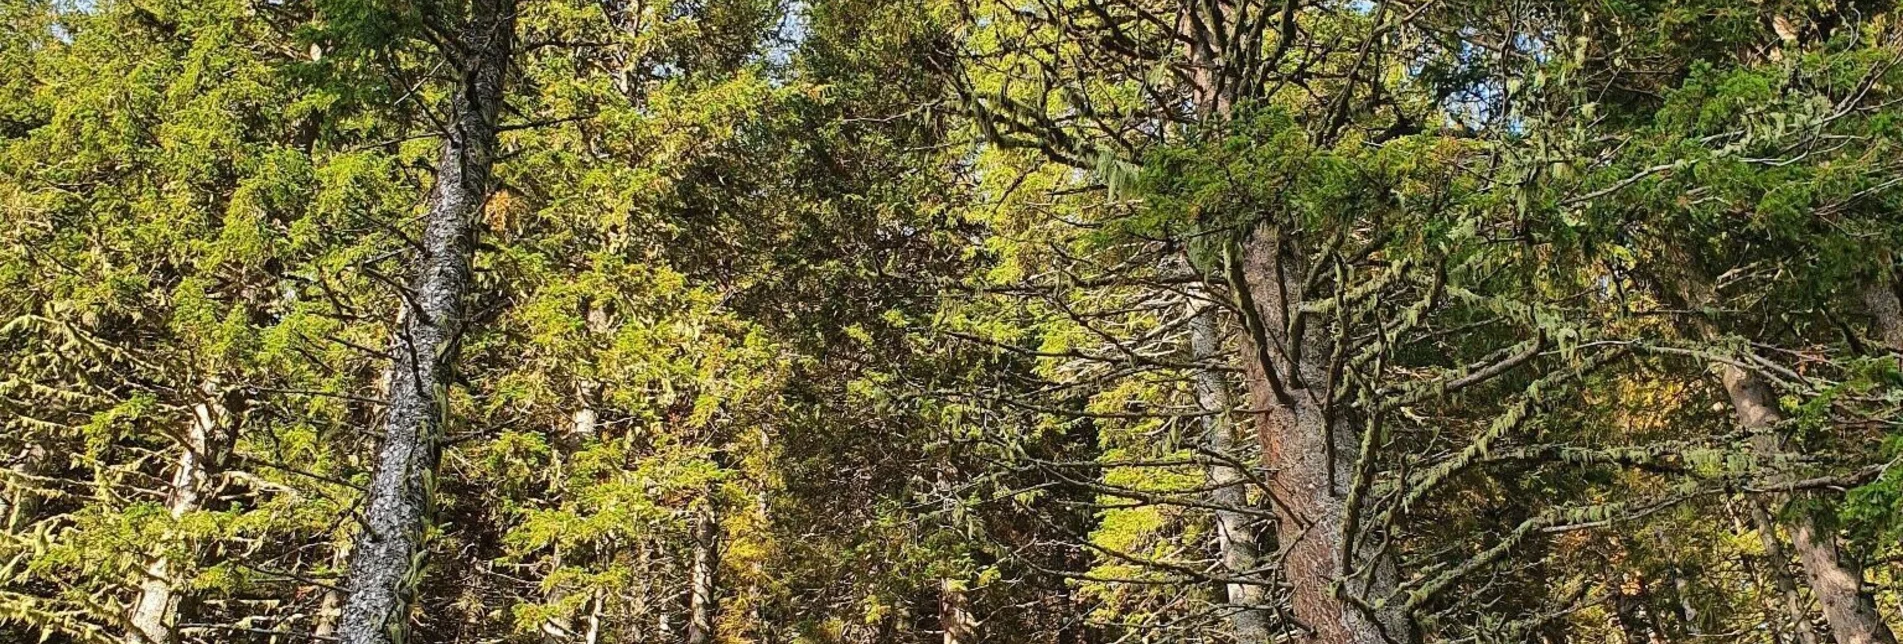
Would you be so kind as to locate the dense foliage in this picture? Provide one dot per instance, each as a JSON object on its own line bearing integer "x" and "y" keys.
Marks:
{"x": 1068, "y": 321}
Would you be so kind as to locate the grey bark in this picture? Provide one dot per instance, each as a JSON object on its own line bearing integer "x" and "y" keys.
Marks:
{"x": 1836, "y": 581}
{"x": 386, "y": 560}
{"x": 1779, "y": 568}
{"x": 561, "y": 628}
{"x": 154, "y": 612}
{"x": 592, "y": 634}
{"x": 1235, "y": 536}
{"x": 1881, "y": 301}
{"x": 702, "y": 588}
{"x": 1681, "y": 586}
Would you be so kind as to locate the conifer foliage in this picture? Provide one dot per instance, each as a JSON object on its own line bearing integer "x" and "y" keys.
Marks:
{"x": 951, "y": 321}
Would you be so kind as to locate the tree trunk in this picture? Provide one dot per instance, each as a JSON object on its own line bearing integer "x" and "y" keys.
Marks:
{"x": 154, "y": 611}
{"x": 1628, "y": 617}
{"x": 954, "y": 614}
{"x": 1837, "y": 582}
{"x": 593, "y": 634}
{"x": 331, "y": 607}
{"x": 385, "y": 561}
{"x": 1235, "y": 534}
{"x": 1310, "y": 459}
{"x": 1881, "y": 300}
{"x": 1686, "y": 611}
{"x": 558, "y": 628}
{"x": 1781, "y": 573}
{"x": 701, "y": 594}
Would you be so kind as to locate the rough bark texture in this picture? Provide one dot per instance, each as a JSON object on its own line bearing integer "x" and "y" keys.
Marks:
{"x": 155, "y": 611}
{"x": 1310, "y": 460}
{"x": 1836, "y": 581}
{"x": 1235, "y": 534}
{"x": 701, "y": 594}
{"x": 1779, "y": 567}
{"x": 1885, "y": 309}
{"x": 385, "y": 561}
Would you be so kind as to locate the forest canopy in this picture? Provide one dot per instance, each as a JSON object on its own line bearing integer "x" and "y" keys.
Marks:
{"x": 951, "y": 321}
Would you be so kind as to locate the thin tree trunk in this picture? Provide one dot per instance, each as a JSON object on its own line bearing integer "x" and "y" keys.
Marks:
{"x": 1622, "y": 621}
{"x": 1687, "y": 612}
{"x": 701, "y": 598}
{"x": 385, "y": 561}
{"x": 954, "y": 613}
{"x": 593, "y": 634}
{"x": 331, "y": 607}
{"x": 1779, "y": 568}
{"x": 1836, "y": 581}
{"x": 1310, "y": 460}
{"x": 638, "y": 601}
{"x": 1628, "y": 616}
{"x": 154, "y": 612}
{"x": 1235, "y": 536}
{"x": 561, "y": 628}
{"x": 558, "y": 628}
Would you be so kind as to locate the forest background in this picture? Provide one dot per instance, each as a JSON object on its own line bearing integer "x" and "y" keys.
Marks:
{"x": 1067, "y": 321}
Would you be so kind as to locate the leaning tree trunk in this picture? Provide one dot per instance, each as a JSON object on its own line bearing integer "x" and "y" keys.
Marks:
{"x": 1310, "y": 459}
{"x": 154, "y": 611}
{"x": 1780, "y": 571}
{"x": 1835, "y": 580}
{"x": 384, "y": 564}
{"x": 1235, "y": 535}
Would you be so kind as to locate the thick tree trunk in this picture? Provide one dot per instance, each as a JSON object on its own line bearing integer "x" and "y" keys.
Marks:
{"x": 1836, "y": 581}
{"x": 702, "y": 588}
{"x": 1779, "y": 568}
{"x": 1310, "y": 461}
{"x": 154, "y": 612}
{"x": 1235, "y": 532}
{"x": 385, "y": 561}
